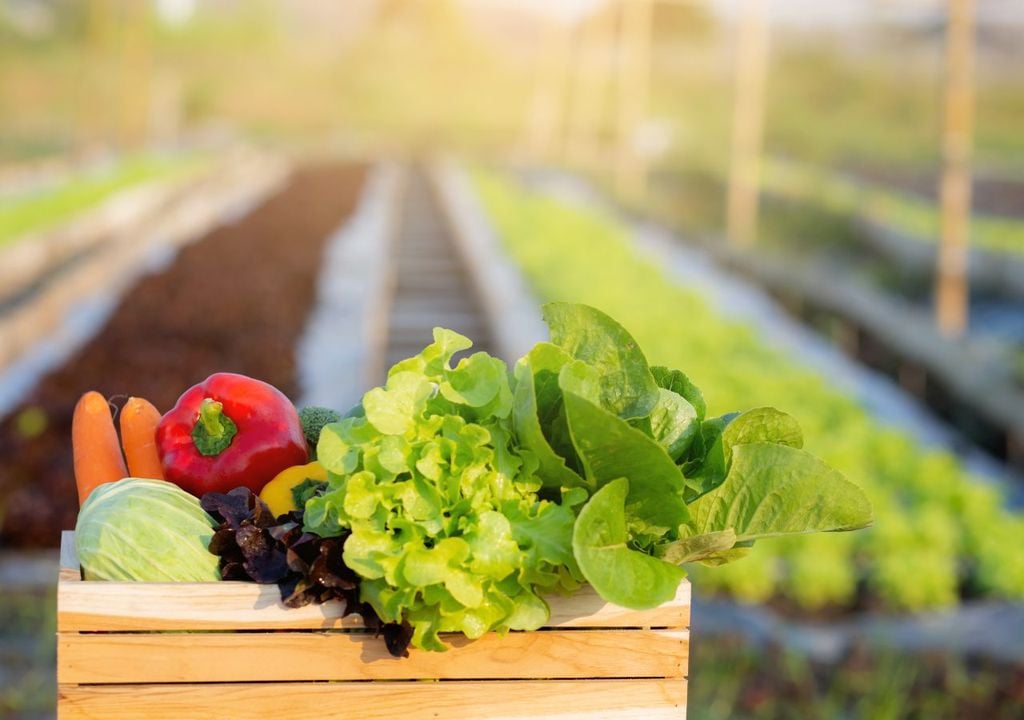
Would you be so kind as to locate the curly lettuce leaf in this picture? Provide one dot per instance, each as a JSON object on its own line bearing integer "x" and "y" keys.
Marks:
{"x": 445, "y": 527}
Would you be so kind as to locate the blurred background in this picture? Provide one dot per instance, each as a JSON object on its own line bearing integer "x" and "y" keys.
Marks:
{"x": 814, "y": 205}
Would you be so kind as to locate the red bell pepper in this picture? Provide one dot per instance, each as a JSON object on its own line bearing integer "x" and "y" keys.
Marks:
{"x": 229, "y": 431}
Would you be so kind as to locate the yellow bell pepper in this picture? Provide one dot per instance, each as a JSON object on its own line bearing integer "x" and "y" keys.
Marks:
{"x": 291, "y": 487}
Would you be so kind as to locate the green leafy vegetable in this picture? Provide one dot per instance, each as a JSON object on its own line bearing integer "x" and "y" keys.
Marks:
{"x": 459, "y": 487}
{"x": 673, "y": 423}
{"x": 145, "y": 530}
{"x": 538, "y": 405}
{"x": 779, "y": 490}
{"x": 677, "y": 382}
{"x": 610, "y": 449}
{"x": 699, "y": 547}
{"x": 587, "y": 334}
{"x": 762, "y": 425}
{"x": 620, "y": 575}
{"x": 447, "y": 531}
{"x": 313, "y": 419}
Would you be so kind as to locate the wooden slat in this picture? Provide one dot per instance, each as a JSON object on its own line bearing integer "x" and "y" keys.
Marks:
{"x": 525, "y": 700}
{"x": 133, "y": 606}
{"x": 585, "y": 608}
{"x": 136, "y": 606}
{"x": 265, "y": 657}
{"x": 128, "y": 606}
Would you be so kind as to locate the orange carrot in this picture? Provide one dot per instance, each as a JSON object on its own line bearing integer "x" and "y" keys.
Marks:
{"x": 94, "y": 442}
{"x": 139, "y": 420}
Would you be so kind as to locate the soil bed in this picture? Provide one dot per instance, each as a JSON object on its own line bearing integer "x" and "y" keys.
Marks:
{"x": 237, "y": 300}
{"x": 733, "y": 678}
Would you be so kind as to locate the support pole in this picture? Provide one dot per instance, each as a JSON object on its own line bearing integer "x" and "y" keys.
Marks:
{"x": 135, "y": 75}
{"x": 747, "y": 125}
{"x": 546, "y": 109}
{"x": 589, "y": 83}
{"x": 633, "y": 95}
{"x": 951, "y": 291}
{"x": 94, "y": 96}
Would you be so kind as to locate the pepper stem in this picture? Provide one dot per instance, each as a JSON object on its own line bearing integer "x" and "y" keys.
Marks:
{"x": 213, "y": 431}
{"x": 210, "y": 413}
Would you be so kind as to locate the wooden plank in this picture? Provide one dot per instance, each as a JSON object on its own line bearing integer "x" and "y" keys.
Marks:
{"x": 534, "y": 700}
{"x": 585, "y": 608}
{"x": 136, "y": 606}
{"x": 267, "y": 657}
{"x": 88, "y": 606}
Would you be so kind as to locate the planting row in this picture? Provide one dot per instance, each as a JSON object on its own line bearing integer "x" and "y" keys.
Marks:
{"x": 236, "y": 300}
{"x": 46, "y": 207}
{"x": 913, "y": 217}
{"x": 939, "y": 536}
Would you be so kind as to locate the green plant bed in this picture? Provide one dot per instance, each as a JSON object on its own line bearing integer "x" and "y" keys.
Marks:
{"x": 938, "y": 531}
{"x": 913, "y": 217}
{"x": 51, "y": 207}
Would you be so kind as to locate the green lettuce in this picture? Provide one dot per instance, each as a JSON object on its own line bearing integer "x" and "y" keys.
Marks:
{"x": 692, "y": 489}
{"x": 447, "y": 530}
{"x": 471, "y": 492}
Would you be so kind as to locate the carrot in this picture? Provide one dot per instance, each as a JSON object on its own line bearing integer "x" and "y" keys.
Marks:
{"x": 94, "y": 442}
{"x": 139, "y": 420}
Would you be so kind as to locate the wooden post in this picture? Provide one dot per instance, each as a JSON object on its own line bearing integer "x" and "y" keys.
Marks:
{"x": 951, "y": 292}
{"x": 94, "y": 96}
{"x": 545, "y": 118}
{"x": 633, "y": 94}
{"x": 586, "y": 106}
{"x": 134, "y": 74}
{"x": 747, "y": 125}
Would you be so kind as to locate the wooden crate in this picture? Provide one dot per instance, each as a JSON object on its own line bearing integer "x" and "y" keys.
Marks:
{"x": 124, "y": 651}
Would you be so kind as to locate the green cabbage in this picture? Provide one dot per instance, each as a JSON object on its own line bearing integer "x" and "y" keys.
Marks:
{"x": 145, "y": 530}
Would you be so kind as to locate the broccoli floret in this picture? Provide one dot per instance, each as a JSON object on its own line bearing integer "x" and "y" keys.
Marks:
{"x": 313, "y": 419}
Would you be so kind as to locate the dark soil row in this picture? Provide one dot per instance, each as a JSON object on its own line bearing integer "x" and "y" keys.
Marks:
{"x": 730, "y": 678}
{"x": 236, "y": 300}
{"x": 990, "y": 194}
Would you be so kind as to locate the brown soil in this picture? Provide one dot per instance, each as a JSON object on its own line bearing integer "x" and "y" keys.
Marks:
{"x": 236, "y": 300}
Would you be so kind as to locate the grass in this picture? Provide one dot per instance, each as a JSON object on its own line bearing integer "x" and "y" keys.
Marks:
{"x": 54, "y": 206}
